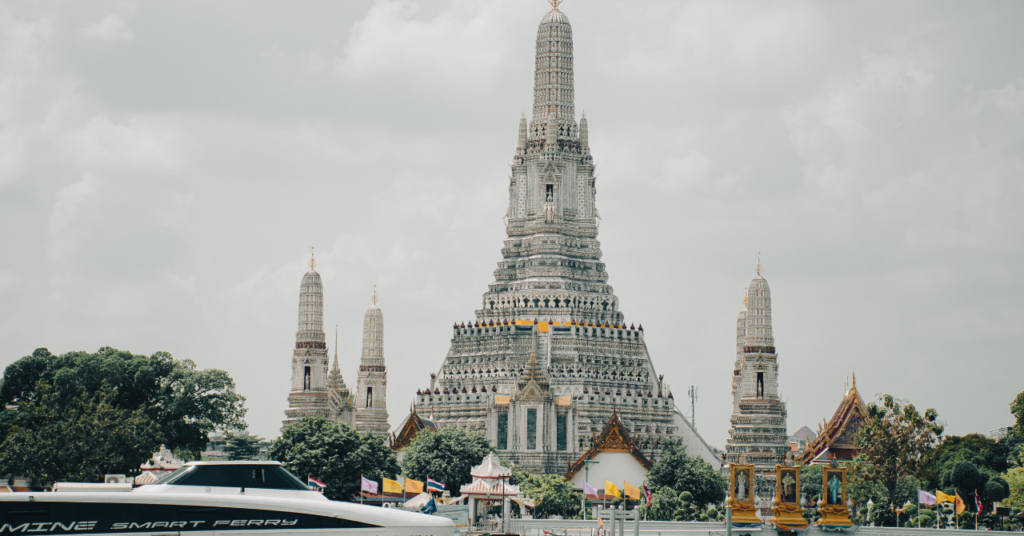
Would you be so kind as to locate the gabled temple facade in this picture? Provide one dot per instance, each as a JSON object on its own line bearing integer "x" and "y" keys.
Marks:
{"x": 613, "y": 455}
{"x": 409, "y": 429}
{"x": 837, "y": 439}
{"x": 550, "y": 354}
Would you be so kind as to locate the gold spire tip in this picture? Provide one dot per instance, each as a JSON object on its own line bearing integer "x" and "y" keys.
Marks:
{"x": 555, "y": 3}
{"x": 375, "y": 294}
{"x": 312, "y": 257}
{"x": 758, "y": 267}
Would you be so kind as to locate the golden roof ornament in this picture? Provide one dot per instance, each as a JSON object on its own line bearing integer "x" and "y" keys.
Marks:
{"x": 312, "y": 258}
{"x": 555, "y": 3}
{"x": 375, "y": 294}
{"x": 758, "y": 267}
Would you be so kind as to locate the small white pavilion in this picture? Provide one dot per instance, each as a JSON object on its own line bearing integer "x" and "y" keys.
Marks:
{"x": 490, "y": 484}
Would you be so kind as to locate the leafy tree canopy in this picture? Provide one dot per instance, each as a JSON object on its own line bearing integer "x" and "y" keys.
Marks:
{"x": 79, "y": 437}
{"x": 681, "y": 473}
{"x": 665, "y": 503}
{"x": 242, "y": 446}
{"x": 1015, "y": 478}
{"x": 336, "y": 455}
{"x": 446, "y": 456}
{"x": 987, "y": 455}
{"x": 553, "y": 493}
{"x": 894, "y": 440}
{"x": 185, "y": 403}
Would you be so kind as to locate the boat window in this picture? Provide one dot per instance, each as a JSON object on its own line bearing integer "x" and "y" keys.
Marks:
{"x": 235, "y": 476}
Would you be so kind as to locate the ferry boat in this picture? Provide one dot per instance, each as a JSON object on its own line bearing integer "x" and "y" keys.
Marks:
{"x": 210, "y": 499}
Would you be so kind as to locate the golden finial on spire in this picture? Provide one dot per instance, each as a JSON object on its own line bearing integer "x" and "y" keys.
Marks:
{"x": 744, "y": 297}
{"x": 375, "y": 294}
{"x": 555, "y": 3}
{"x": 312, "y": 257}
{"x": 758, "y": 267}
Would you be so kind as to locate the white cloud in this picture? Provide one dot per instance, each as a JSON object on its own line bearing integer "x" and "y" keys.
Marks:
{"x": 109, "y": 28}
{"x": 69, "y": 203}
{"x": 1009, "y": 98}
{"x": 140, "y": 141}
{"x": 465, "y": 37}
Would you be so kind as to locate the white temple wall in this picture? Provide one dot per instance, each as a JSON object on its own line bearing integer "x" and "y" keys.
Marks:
{"x": 615, "y": 467}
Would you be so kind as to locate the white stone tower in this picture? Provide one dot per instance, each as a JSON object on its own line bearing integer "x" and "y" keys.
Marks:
{"x": 758, "y": 419}
{"x": 308, "y": 397}
{"x": 549, "y": 356}
{"x": 339, "y": 400}
{"x": 371, "y": 389}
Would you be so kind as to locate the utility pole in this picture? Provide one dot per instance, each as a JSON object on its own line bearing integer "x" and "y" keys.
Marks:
{"x": 693, "y": 405}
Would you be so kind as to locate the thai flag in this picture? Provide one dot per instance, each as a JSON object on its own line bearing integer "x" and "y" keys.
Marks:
{"x": 647, "y": 495}
{"x": 433, "y": 485}
{"x": 315, "y": 484}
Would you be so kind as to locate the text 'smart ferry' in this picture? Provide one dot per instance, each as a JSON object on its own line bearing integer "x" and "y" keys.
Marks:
{"x": 214, "y": 499}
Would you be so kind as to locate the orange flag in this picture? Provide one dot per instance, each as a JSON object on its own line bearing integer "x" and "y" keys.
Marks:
{"x": 960, "y": 506}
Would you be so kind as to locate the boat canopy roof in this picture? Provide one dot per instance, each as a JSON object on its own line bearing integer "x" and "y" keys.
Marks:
{"x": 256, "y": 475}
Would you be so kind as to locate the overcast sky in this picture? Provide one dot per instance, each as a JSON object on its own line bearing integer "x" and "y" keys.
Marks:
{"x": 166, "y": 166}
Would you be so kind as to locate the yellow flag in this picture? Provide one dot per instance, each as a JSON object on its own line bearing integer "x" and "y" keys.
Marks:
{"x": 413, "y": 486}
{"x": 392, "y": 486}
{"x": 632, "y": 492}
{"x": 960, "y": 506}
{"x": 610, "y": 489}
{"x": 943, "y": 498}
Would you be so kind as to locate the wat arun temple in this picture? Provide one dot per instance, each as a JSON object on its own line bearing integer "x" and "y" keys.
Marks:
{"x": 549, "y": 360}
{"x": 549, "y": 356}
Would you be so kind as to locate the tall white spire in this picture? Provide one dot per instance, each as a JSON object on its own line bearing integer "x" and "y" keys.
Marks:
{"x": 371, "y": 388}
{"x": 759, "y": 417}
{"x": 308, "y": 397}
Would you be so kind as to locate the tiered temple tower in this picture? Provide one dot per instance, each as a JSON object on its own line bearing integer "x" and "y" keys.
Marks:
{"x": 550, "y": 356}
{"x": 339, "y": 400}
{"x": 371, "y": 389}
{"x": 308, "y": 397}
{"x": 758, "y": 431}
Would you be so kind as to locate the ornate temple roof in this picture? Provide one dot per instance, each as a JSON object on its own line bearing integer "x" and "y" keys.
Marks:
{"x": 409, "y": 428}
{"x": 837, "y": 438}
{"x": 614, "y": 438}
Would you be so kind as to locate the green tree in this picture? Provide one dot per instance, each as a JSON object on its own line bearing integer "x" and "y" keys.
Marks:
{"x": 996, "y": 489}
{"x": 894, "y": 440}
{"x": 186, "y": 403}
{"x": 681, "y": 473}
{"x": 664, "y": 505}
{"x": 336, "y": 455}
{"x": 1015, "y": 478}
{"x": 553, "y": 495}
{"x": 966, "y": 478}
{"x": 446, "y": 456}
{"x": 987, "y": 455}
{"x": 242, "y": 446}
{"x": 78, "y": 438}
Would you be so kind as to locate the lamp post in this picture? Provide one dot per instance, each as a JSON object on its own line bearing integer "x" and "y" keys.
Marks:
{"x": 871, "y": 505}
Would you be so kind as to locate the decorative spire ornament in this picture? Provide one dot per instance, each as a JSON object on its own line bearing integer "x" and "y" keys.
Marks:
{"x": 555, "y": 3}
{"x": 758, "y": 267}
{"x": 312, "y": 257}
